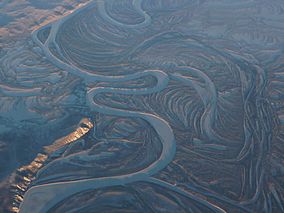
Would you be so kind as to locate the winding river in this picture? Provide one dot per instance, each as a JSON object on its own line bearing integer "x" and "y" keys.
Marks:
{"x": 154, "y": 84}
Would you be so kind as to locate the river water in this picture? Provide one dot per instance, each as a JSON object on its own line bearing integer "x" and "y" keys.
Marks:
{"x": 142, "y": 106}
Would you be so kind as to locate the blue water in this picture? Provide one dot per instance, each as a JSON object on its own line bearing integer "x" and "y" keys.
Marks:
{"x": 143, "y": 106}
